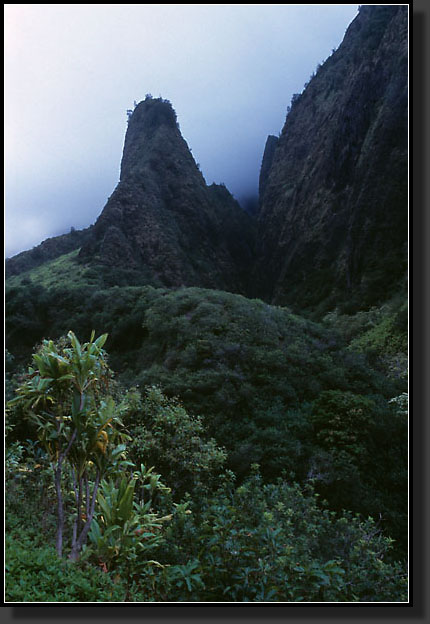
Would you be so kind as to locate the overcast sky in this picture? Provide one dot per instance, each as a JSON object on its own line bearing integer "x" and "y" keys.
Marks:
{"x": 73, "y": 70}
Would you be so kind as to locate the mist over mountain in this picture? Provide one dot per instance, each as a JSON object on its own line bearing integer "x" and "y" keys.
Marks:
{"x": 330, "y": 224}
{"x": 73, "y": 70}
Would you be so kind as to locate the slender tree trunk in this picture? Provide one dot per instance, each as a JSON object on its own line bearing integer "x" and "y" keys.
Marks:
{"x": 77, "y": 547}
{"x": 77, "y": 487}
{"x": 75, "y": 522}
{"x": 60, "y": 507}
{"x": 87, "y": 495}
{"x": 60, "y": 511}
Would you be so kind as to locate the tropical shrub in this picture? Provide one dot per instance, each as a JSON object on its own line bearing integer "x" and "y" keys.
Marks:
{"x": 205, "y": 535}
{"x": 65, "y": 395}
{"x": 358, "y": 459}
{"x": 38, "y": 575}
{"x": 274, "y": 542}
{"x": 123, "y": 530}
{"x": 163, "y": 434}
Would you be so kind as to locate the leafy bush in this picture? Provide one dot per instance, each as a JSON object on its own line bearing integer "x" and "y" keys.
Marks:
{"x": 38, "y": 575}
{"x": 273, "y": 542}
{"x": 359, "y": 460}
{"x": 227, "y": 357}
{"x": 124, "y": 531}
{"x": 164, "y": 434}
{"x": 379, "y": 333}
{"x": 257, "y": 541}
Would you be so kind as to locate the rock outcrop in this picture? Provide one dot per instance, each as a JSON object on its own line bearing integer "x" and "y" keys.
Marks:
{"x": 163, "y": 220}
{"x": 333, "y": 216}
{"x": 266, "y": 164}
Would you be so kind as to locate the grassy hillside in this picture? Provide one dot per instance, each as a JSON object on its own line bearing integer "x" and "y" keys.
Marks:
{"x": 60, "y": 272}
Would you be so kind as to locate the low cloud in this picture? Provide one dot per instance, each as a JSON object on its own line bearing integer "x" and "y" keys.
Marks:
{"x": 72, "y": 71}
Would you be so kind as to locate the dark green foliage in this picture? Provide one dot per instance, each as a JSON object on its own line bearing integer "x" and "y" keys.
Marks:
{"x": 164, "y": 435}
{"x": 230, "y": 358}
{"x": 273, "y": 542}
{"x": 252, "y": 372}
{"x": 26, "y": 309}
{"x": 275, "y": 437}
{"x": 253, "y": 543}
{"x": 11, "y": 374}
{"x": 33, "y": 571}
{"x": 192, "y": 338}
{"x": 38, "y": 575}
{"x": 381, "y": 333}
{"x": 341, "y": 421}
{"x": 359, "y": 460}
{"x": 265, "y": 540}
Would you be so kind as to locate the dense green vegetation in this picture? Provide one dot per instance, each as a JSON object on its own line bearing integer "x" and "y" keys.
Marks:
{"x": 207, "y": 385}
{"x": 194, "y": 532}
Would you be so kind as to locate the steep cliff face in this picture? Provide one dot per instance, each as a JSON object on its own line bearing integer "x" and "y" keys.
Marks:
{"x": 163, "y": 220}
{"x": 333, "y": 219}
{"x": 266, "y": 164}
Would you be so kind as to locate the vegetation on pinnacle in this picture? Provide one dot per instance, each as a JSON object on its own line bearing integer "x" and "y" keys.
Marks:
{"x": 163, "y": 221}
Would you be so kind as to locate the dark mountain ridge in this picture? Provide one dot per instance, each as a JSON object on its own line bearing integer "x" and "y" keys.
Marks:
{"x": 49, "y": 249}
{"x": 163, "y": 219}
{"x": 266, "y": 164}
{"x": 333, "y": 220}
{"x": 331, "y": 225}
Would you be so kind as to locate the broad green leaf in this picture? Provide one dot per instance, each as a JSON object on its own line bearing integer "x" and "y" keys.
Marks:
{"x": 101, "y": 341}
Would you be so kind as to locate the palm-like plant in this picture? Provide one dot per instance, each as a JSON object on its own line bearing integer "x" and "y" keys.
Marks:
{"x": 123, "y": 528}
{"x": 65, "y": 394}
